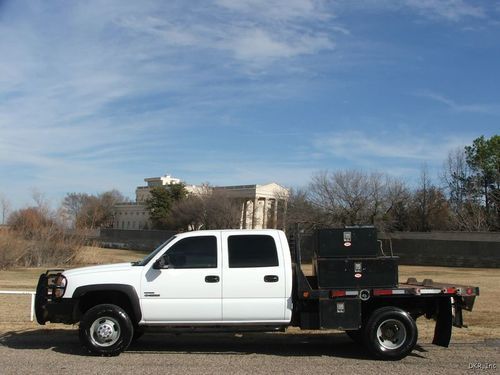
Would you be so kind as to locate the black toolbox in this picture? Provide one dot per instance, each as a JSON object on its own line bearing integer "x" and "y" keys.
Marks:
{"x": 338, "y": 273}
{"x": 346, "y": 242}
{"x": 340, "y": 313}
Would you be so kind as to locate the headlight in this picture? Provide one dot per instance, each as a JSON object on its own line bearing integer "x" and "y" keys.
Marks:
{"x": 59, "y": 286}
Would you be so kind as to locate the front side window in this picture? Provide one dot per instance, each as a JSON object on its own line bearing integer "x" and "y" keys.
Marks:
{"x": 193, "y": 252}
{"x": 252, "y": 251}
{"x": 151, "y": 255}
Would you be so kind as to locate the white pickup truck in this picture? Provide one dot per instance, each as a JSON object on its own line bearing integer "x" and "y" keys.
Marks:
{"x": 239, "y": 280}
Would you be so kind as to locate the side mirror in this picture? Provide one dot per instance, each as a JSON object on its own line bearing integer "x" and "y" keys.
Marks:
{"x": 159, "y": 264}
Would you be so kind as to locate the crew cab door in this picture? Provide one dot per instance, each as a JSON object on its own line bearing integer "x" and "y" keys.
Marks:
{"x": 253, "y": 287}
{"x": 188, "y": 288}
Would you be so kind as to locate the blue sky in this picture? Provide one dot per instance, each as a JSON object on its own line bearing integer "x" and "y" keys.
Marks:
{"x": 97, "y": 95}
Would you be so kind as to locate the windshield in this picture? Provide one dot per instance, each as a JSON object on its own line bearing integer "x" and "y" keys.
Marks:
{"x": 153, "y": 254}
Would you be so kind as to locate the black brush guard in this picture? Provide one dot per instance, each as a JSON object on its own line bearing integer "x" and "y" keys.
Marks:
{"x": 44, "y": 294}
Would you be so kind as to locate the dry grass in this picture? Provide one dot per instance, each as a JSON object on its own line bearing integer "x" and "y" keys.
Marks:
{"x": 50, "y": 245}
{"x": 484, "y": 321}
{"x": 98, "y": 255}
{"x": 27, "y": 278}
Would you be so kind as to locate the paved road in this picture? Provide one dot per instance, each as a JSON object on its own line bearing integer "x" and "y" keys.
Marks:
{"x": 58, "y": 351}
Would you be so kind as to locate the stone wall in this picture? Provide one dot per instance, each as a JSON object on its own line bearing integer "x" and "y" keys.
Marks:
{"x": 447, "y": 249}
{"x": 146, "y": 240}
{"x": 450, "y": 249}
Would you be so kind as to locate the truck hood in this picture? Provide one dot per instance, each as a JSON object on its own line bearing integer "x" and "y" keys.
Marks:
{"x": 120, "y": 273}
{"x": 105, "y": 268}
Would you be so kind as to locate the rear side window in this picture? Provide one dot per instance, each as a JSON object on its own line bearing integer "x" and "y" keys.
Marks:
{"x": 252, "y": 251}
{"x": 193, "y": 252}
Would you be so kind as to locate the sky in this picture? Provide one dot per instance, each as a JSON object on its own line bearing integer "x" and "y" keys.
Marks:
{"x": 96, "y": 95}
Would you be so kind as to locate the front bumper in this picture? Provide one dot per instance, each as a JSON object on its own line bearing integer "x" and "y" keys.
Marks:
{"x": 51, "y": 309}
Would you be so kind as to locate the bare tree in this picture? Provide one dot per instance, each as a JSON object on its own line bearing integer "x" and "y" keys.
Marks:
{"x": 350, "y": 197}
{"x": 377, "y": 198}
{"x": 32, "y": 222}
{"x": 398, "y": 196}
{"x": 91, "y": 211}
{"x": 41, "y": 201}
{"x": 221, "y": 211}
{"x": 456, "y": 178}
{"x": 186, "y": 214}
{"x": 208, "y": 209}
{"x": 422, "y": 199}
{"x": 36, "y": 238}
{"x": 73, "y": 204}
{"x": 471, "y": 217}
{"x": 5, "y": 207}
{"x": 429, "y": 209}
{"x": 464, "y": 196}
{"x": 339, "y": 194}
{"x": 300, "y": 209}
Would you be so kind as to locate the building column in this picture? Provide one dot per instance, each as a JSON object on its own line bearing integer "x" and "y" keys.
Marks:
{"x": 243, "y": 219}
{"x": 264, "y": 214}
{"x": 275, "y": 213}
{"x": 284, "y": 213}
{"x": 254, "y": 212}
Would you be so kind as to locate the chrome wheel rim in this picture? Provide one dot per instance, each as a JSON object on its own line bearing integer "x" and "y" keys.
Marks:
{"x": 105, "y": 331}
{"x": 391, "y": 334}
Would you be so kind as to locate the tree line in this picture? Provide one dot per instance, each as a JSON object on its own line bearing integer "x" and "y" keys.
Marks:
{"x": 171, "y": 207}
{"x": 466, "y": 197}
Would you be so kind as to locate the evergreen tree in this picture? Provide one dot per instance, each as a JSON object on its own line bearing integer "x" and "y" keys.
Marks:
{"x": 483, "y": 157}
{"x": 160, "y": 203}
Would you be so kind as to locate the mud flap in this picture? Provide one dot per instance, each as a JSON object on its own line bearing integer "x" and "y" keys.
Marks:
{"x": 444, "y": 323}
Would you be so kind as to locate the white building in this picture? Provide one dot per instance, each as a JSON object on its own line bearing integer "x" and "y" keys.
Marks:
{"x": 131, "y": 216}
{"x": 262, "y": 206}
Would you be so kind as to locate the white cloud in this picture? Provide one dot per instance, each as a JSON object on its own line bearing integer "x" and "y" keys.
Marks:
{"x": 252, "y": 32}
{"x": 480, "y": 108}
{"x": 436, "y": 10}
{"x": 95, "y": 95}
{"x": 364, "y": 147}
{"x": 168, "y": 32}
{"x": 258, "y": 45}
{"x": 90, "y": 89}
{"x": 279, "y": 9}
{"x": 451, "y": 10}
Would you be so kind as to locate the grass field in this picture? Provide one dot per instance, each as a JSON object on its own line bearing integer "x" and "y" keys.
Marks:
{"x": 484, "y": 321}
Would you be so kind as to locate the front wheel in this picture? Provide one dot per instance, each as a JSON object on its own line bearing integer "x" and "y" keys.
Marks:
{"x": 390, "y": 333}
{"x": 106, "y": 330}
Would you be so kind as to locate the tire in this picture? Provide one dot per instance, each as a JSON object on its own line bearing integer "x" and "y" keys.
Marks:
{"x": 355, "y": 335}
{"x": 390, "y": 333}
{"x": 106, "y": 330}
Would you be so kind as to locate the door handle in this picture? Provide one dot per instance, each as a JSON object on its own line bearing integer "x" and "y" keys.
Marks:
{"x": 271, "y": 278}
{"x": 212, "y": 279}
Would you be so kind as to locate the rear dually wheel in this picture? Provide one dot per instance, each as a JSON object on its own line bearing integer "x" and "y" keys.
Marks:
{"x": 390, "y": 333}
